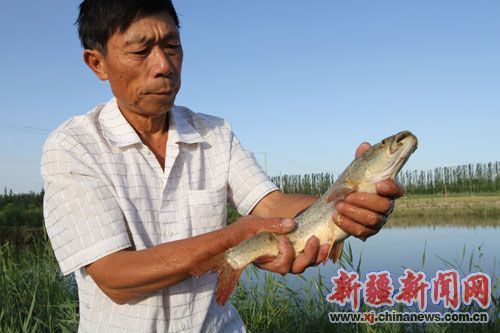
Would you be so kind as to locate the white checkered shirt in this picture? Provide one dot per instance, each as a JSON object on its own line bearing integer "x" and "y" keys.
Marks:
{"x": 105, "y": 191}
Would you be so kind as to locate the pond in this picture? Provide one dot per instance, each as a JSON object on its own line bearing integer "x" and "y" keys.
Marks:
{"x": 424, "y": 248}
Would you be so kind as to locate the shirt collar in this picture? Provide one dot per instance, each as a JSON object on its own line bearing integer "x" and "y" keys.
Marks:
{"x": 180, "y": 129}
{"x": 118, "y": 131}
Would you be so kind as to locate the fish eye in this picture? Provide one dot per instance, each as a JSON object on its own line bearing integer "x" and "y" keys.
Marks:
{"x": 383, "y": 142}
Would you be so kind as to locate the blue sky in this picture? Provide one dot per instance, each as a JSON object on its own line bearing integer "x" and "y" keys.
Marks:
{"x": 303, "y": 81}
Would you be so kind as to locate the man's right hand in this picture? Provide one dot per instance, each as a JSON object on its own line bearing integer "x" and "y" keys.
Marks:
{"x": 130, "y": 274}
{"x": 285, "y": 262}
{"x": 251, "y": 225}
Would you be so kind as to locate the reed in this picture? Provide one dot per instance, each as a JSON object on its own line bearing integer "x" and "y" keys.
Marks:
{"x": 35, "y": 297}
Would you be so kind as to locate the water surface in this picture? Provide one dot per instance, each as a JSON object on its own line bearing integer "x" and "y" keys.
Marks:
{"x": 394, "y": 249}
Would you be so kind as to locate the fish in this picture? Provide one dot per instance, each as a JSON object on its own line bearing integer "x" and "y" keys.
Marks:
{"x": 380, "y": 162}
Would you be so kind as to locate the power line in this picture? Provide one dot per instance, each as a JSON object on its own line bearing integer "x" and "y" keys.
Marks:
{"x": 18, "y": 127}
{"x": 299, "y": 164}
{"x": 289, "y": 161}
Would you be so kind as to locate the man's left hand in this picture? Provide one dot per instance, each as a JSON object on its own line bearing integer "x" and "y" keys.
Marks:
{"x": 363, "y": 214}
{"x": 360, "y": 214}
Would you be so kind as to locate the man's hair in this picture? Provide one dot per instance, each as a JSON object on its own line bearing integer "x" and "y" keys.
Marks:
{"x": 99, "y": 19}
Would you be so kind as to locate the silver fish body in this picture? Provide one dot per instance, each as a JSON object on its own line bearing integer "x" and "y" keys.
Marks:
{"x": 381, "y": 161}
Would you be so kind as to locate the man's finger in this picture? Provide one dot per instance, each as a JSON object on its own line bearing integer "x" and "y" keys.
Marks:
{"x": 353, "y": 228}
{"x": 250, "y": 225}
{"x": 275, "y": 225}
{"x": 390, "y": 189}
{"x": 370, "y": 201}
{"x": 283, "y": 262}
{"x": 365, "y": 217}
{"x": 308, "y": 257}
{"x": 362, "y": 148}
{"x": 322, "y": 254}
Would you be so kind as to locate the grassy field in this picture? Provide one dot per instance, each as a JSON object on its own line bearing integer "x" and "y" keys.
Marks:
{"x": 460, "y": 210}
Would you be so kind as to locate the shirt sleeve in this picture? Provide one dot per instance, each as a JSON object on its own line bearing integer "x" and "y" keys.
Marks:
{"x": 83, "y": 219}
{"x": 248, "y": 183}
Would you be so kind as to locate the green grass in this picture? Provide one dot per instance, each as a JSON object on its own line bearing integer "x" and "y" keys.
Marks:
{"x": 34, "y": 295}
{"x": 451, "y": 210}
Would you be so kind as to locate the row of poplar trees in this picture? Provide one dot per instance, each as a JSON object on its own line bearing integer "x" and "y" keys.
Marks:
{"x": 469, "y": 178}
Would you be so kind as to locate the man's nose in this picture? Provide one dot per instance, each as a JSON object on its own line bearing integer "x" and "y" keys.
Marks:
{"x": 161, "y": 63}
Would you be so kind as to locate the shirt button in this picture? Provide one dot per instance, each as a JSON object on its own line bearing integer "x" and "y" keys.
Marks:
{"x": 170, "y": 233}
{"x": 182, "y": 326}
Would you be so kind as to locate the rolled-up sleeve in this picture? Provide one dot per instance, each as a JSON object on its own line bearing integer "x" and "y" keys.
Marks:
{"x": 83, "y": 219}
{"x": 248, "y": 183}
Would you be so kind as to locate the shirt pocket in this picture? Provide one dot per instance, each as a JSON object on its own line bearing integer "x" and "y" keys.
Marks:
{"x": 208, "y": 209}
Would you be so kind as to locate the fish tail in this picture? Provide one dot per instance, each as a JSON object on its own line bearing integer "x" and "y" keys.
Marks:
{"x": 227, "y": 276}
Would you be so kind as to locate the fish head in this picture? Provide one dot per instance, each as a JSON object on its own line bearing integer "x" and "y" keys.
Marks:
{"x": 385, "y": 159}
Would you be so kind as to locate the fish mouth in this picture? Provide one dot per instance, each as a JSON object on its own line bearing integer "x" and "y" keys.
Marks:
{"x": 403, "y": 145}
{"x": 398, "y": 149}
{"x": 402, "y": 140}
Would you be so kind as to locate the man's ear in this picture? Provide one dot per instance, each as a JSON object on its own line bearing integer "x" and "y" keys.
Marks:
{"x": 95, "y": 60}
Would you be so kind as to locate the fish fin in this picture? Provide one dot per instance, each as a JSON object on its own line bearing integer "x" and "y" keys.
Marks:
{"x": 264, "y": 259}
{"x": 227, "y": 276}
{"x": 336, "y": 251}
{"x": 226, "y": 281}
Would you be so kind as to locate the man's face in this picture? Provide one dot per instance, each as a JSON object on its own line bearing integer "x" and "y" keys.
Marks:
{"x": 143, "y": 65}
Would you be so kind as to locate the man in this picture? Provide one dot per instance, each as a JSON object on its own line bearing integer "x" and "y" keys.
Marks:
{"x": 136, "y": 189}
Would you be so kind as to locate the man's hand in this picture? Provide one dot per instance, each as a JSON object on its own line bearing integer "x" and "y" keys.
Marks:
{"x": 360, "y": 214}
{"x": 284, "y": 263}
{"x": 363, "y": 214}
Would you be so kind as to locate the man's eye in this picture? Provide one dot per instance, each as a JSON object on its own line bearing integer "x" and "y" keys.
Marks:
{"x": 141, "y": 52}
{"x": 172, "y": 46}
